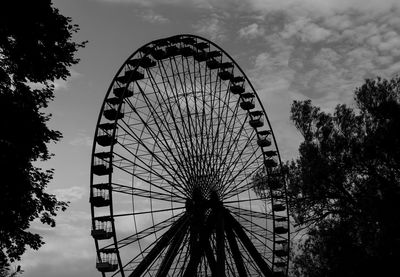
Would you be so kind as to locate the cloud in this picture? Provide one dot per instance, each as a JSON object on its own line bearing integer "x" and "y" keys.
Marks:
{"x": 212, "y": 27}
{"x": 321, "y": 8}
{"x": 305, "y": 30}
{"x": 272, "y": 76}
{"x": 251, "y": 31}
{"x": 71, "y": 194}
{"x": 82, "y": 139}
{"x": 61, "y": 84}
{"x": 152, "y": 3}
{"x": 153, "y": 17}
{"x": 335, "y": 46}
{"x": 68, "y": 244}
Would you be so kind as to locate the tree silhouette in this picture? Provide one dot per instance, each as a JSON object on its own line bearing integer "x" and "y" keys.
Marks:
{"x": 345, "y": 185}
{"x": 36, "y": 48}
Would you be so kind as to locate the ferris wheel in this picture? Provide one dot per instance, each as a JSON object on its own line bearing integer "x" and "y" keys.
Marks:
{"x": 186, "y": 175}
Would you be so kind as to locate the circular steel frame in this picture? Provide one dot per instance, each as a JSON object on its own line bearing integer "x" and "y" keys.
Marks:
{"x": 193, "y": 211}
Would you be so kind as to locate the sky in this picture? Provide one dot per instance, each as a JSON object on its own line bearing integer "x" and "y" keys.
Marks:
{"x": 291, "y": 50}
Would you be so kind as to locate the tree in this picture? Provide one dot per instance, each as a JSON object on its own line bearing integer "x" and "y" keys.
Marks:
{"x": 36, "y": 48}
{"x": 345, "y": 186}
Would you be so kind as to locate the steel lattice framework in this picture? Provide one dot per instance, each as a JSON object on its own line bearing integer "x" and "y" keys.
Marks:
{"x": 186, "y": 175}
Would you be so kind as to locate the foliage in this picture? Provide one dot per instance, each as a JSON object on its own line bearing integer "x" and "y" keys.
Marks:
{"x": 35, "y": 50}
{"x": 5, "y": 271}
{"x": 345, "y": 185}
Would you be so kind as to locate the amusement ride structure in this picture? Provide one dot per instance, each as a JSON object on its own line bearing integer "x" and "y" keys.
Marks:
{"x": 186, "y": 175}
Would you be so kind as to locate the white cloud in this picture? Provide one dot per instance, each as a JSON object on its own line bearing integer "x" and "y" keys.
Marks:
{"x": 153, "y": 17}
{"x": 70, "y": 194}
{"x": 321, "y": 52}
{"x": 152, "y": 3}
{"x": 338, "y": 22}
{"x": 322, "y": 7}
{"x": 272, "y": 78}
{"x": 305, "y": 30}
{"x": 61, "y": 84}
{"x": 212, "y": 27}
{"x": 251, "y": 31}
{"x": 69, "y": 243}
{"x": 82, "y": 139}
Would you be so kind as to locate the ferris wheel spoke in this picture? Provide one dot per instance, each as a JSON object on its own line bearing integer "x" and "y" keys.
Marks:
{"x": 199, "y": 101}
{"x": 172, "y": 252}
{"x": 156, "y": 138}
{"x": 161, "y": 243}
{"x": 184, "y": 136}
{"x": 237, "y": 189}
{"x": 210, "y": 130}
{"x": 246, "y": 241}
{"x": 228, "y": 130}
{"x": 149, "y": 169}
{"x": 148, "y": 193}
{"x": 244, "y": 200}
{"x": 185, "y": 128}
{"x": 206, "y": 129}
{"x": 225, "y": 164}
{"x": 178, "y": 264}
{"x": 182, "y": 141}
{"x": 235, "y": 140}
{"x": 250, "y": 161}
{"x": 183, "y": 258}
{"x": 149, "y": 212}
{"x": 224, "y": 110}
{"x": 163, "y": 121}
{"x": 210, "y": 258}
{"x": 237, "y": 256}
{"x": 145, "y": 232}
{"x": 249, "y": 213}
{"x": 186, "y": 132}
{"x": 231, "y": 176}
{"x": 200, "y": 119}
{"x": 224, "y": 113}
{"x": 129, "y": 266}
{"x": 242, "y": 185}
{"x": 251, "y": 265}
{"x": 190, "y": 124}
{"x": 199, "y": 237}
{"x": 259, "y": 236}
{"x": 163, "y": 144}
{"x": 215, "y": 140}
{"x": 220, "y": 243}
{"x": 230, "y": 268}
{"x": 260, "y": 231}
{"x": 195, "y": 123}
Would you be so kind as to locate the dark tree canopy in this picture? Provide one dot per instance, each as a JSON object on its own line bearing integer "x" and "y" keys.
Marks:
{"x": 36, "y": 48}
{"x": 345, "y": 185}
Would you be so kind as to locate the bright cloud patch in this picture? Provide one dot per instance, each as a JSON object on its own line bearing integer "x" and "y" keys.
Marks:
{"x": 68, "y": 244}
{"x": 82, "y": 139}
{"x": 61, "y": 84}
{"x": 70, "y": 194}
{"x": 305, "y": 30}
{"x": 153, "y": 17}
{"x": 251, "y": 31}
{"x": 211, "y": 27}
